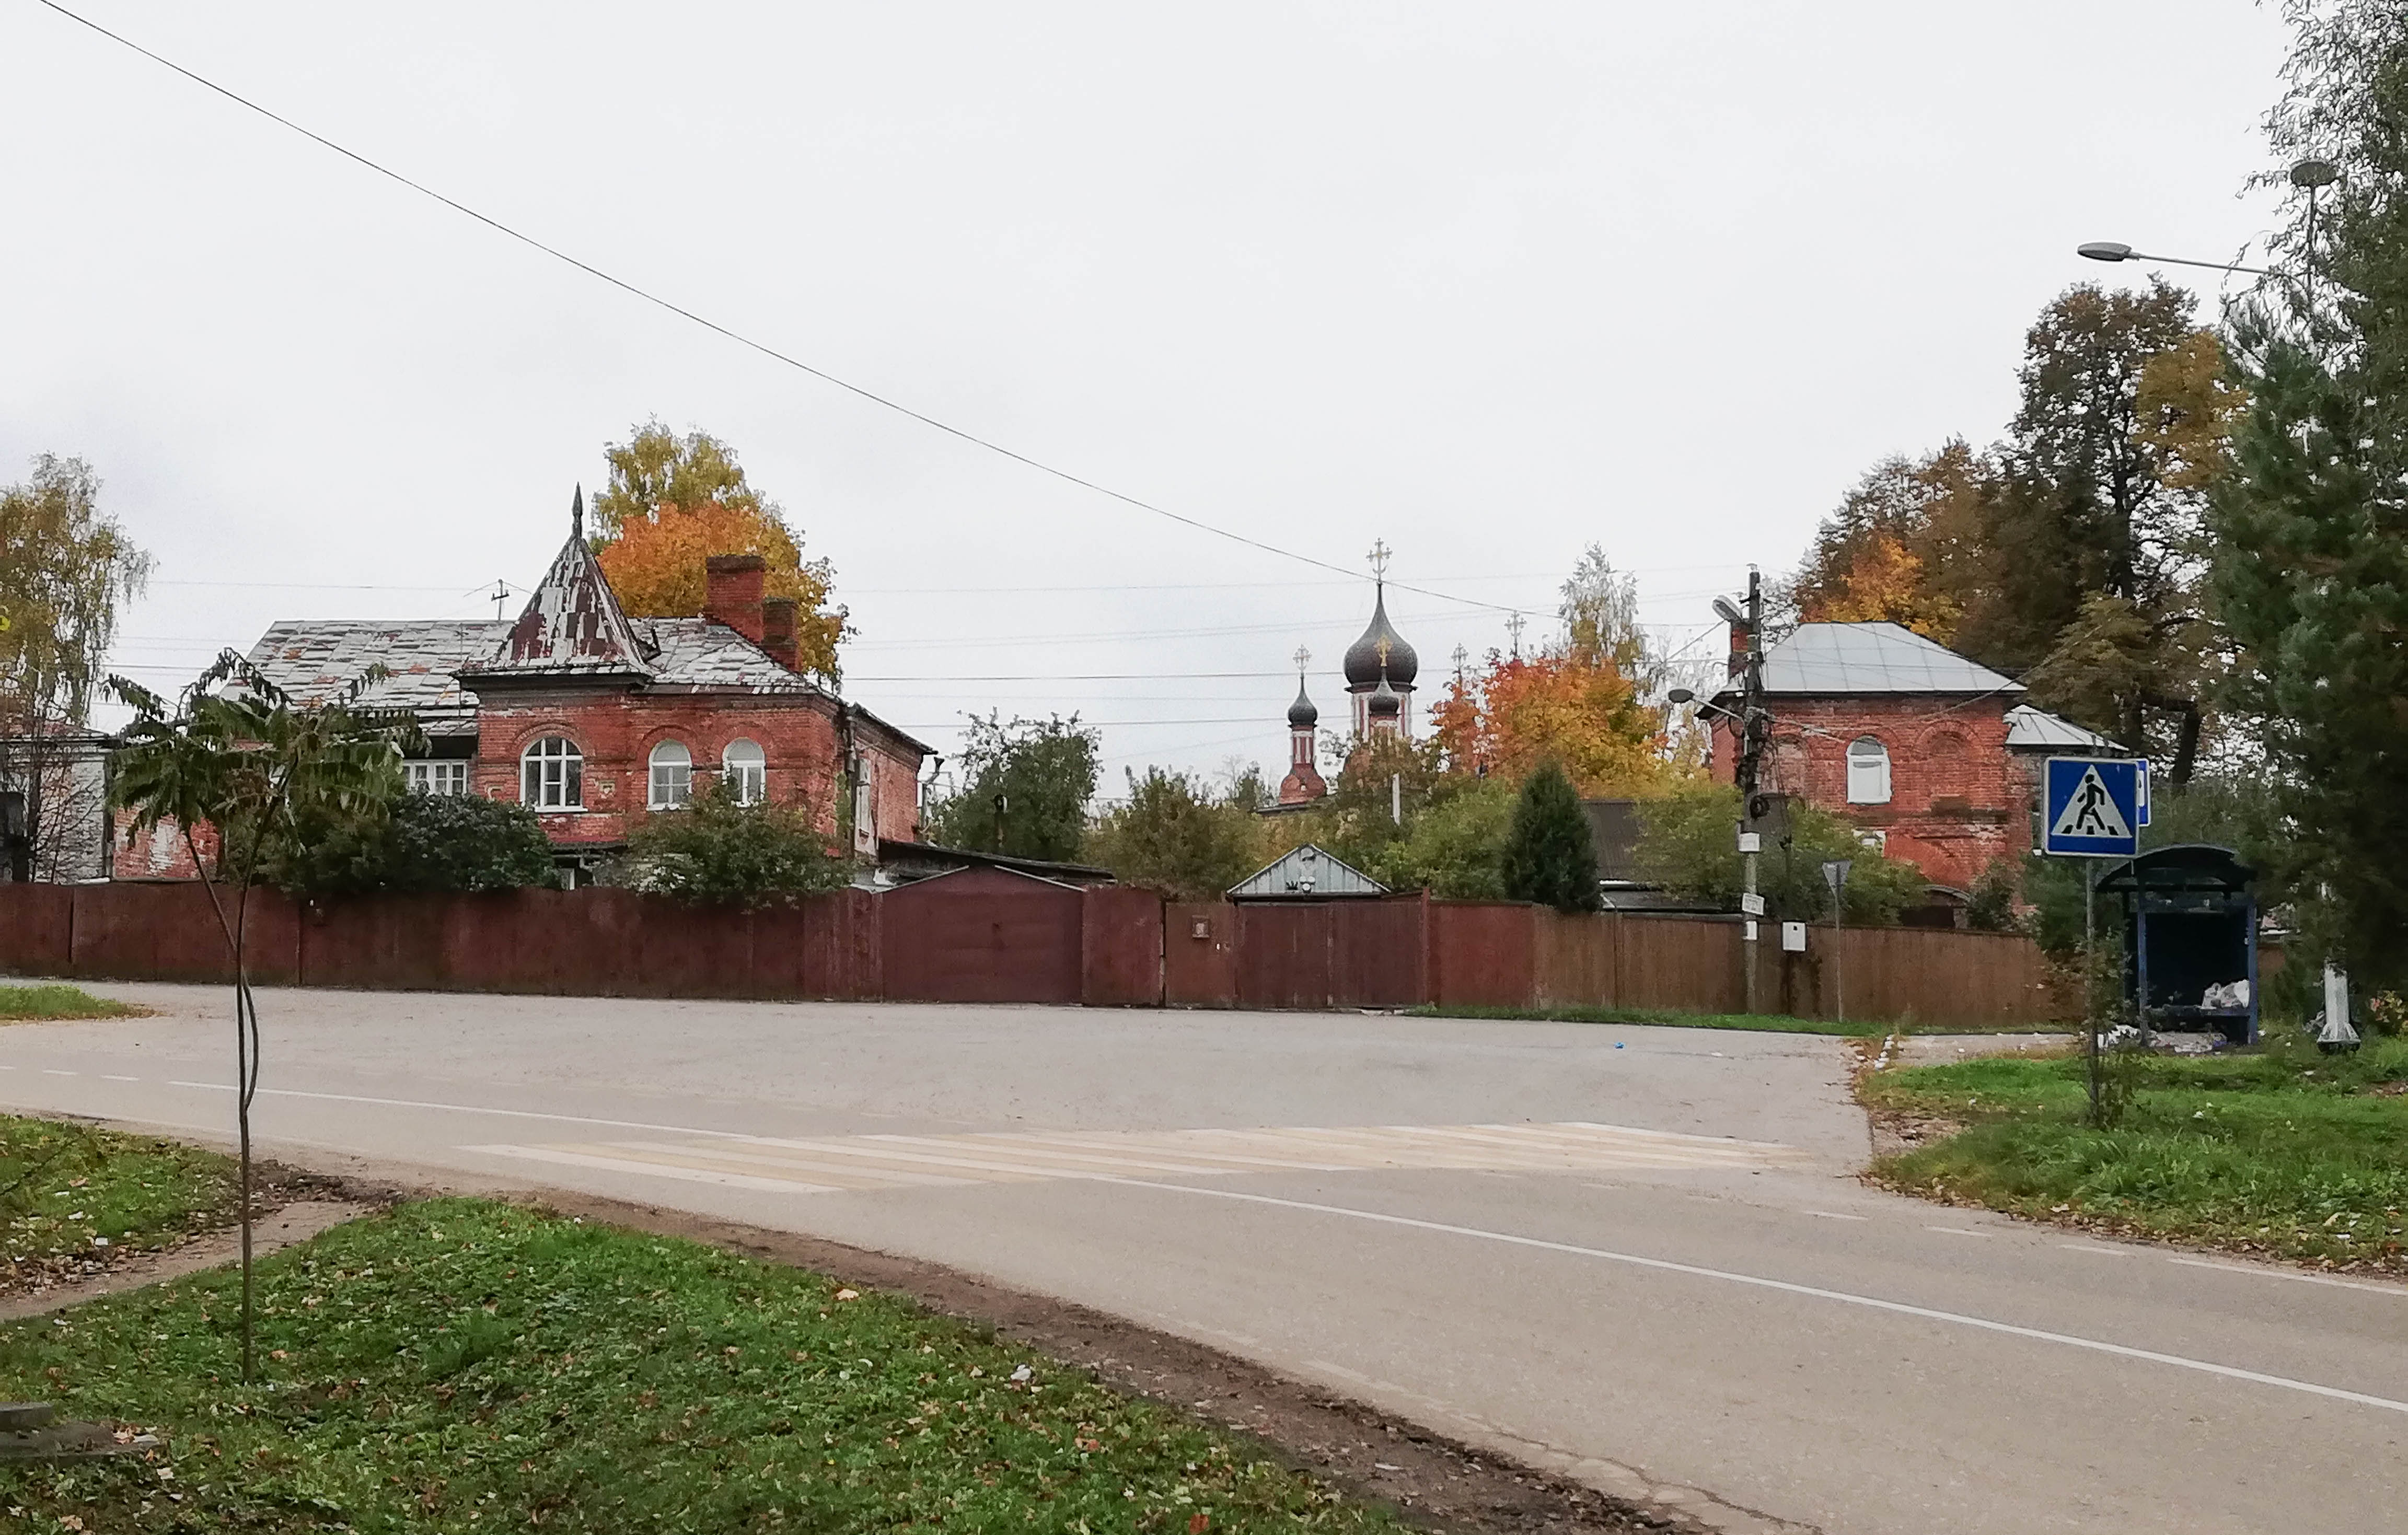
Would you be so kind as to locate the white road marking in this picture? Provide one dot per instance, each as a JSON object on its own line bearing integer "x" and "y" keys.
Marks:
{"x": 2094, "y": 1248}
{"x": 106, "y": 1077}
{"x": 2285, "y": 1274}
{"x": 886, "y": 1161}
{"x": 1834, "y": 1215}
{"x": 54, "y": 1072}
{"x": 467, "y": 1109}
{"x": 1811, "y": 1291}
{"x": 1954, "y": 1231}
{"x": 610, "y": 1164}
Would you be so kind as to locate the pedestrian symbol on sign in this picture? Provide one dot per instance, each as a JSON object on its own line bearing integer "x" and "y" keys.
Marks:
{"x": 2090, "y": 812}
{"x": 2092, "y": 806}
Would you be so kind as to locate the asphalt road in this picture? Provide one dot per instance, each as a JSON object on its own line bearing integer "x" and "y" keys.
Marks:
{"x": 1637, "y": 1256}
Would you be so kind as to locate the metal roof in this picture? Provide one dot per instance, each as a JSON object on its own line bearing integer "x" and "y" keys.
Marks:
{"x": 1873, "y": 659}
{"x": 314, "y": 659}
{"x": 2033, "y": 729}
{"x": 705, "y": 653}
{"x": 572, "y": 624}
{"x": 1306, "y": 871}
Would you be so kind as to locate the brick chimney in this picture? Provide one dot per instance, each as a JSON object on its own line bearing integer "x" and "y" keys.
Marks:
{"x": 1738, "y": 662}
{"x": 735, "y": 594}
{"x": 778, "y": 631}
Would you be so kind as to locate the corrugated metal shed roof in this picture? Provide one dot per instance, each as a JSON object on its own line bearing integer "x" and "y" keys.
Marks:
{"x": 2033, "y": 729}
{"x": 1306, "y": 871}
{"x": 1873, "y": 659}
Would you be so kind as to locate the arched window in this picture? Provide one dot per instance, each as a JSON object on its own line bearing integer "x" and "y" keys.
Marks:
{"x": 747, "y": 770}
{"x": 672, "y": 775}
{"x": 551, "y": 775}
{"x": 1868, "y": 772}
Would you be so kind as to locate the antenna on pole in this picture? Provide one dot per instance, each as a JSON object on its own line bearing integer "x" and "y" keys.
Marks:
{"x": 500, "y": 593}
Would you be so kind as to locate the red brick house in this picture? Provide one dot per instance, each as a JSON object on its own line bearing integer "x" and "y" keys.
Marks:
{"x": 594, "y": 719}
{"x": 1931, "y": 755}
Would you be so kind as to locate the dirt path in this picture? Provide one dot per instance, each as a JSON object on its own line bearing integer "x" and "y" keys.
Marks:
{"x": 295, "y": 1223}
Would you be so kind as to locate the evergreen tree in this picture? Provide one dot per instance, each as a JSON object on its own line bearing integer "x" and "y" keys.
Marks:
{"x": 1548, "y": 856}
{"x": 2311, "y": 575}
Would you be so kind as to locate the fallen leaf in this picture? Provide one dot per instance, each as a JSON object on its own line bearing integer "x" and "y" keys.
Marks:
{"x": 848, "y": 1295}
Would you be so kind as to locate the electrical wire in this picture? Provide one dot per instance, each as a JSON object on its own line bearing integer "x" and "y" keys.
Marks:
{"x": 738, "y": 337}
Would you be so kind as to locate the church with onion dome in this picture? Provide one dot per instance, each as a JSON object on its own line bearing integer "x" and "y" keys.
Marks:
{"x": 1379, "y": 669}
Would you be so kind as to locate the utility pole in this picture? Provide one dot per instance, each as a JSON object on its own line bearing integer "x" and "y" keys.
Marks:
{"x": 1754, "y": 726}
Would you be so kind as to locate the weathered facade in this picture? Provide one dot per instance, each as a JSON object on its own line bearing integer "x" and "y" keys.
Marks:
{"x": 1930, "y": 754}
{"x": 595, "y": 719}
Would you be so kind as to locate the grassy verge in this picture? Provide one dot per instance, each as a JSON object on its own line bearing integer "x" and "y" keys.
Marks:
{"x": 2282, "y": 1151}
{"x": 1773, "y": 1022}
{"x": 23, "y": 1004}
{"x": 463, "y": 1365}
{"x": 73, "y": 1197}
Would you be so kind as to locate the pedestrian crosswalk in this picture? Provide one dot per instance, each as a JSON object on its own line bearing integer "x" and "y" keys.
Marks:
{"x": 838, "y": 1163}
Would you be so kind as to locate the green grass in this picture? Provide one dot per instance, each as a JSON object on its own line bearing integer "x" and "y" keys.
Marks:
{"x": 468, "y": 1366}
{"x": 2281, "y": 1151}
{"x": 65, "y": 1190}
{"x": 1771, "y": 1023}
{"x": 25, "y": 1004}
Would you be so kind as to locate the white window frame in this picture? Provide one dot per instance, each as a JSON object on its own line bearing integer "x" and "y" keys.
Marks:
{"x": 745, "y": 769}
{"x": 551, "y": 775}
{"x": 1868, "y": 772}
{"x": 670, "y": 778}
{"x": 436, "y": 776}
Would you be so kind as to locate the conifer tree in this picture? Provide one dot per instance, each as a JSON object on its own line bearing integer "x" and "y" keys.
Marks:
{"x": 2310, "y": 576}
{"x": 1548, "y": 856}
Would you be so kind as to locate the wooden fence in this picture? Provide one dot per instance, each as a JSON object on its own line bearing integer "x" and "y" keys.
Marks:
{"x": 993, "y": 936}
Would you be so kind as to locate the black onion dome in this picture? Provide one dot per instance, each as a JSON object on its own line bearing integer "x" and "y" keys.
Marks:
{"x": 1363, "y": 668}
{"x": 1301, "y": 715}
{"x": 1387, "y": 703}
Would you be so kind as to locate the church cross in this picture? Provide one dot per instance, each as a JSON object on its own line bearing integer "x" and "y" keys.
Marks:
{"x": 1513, "y": 626}
{"x": 1303, "y": 659}
{"x": 1379, "y": 558}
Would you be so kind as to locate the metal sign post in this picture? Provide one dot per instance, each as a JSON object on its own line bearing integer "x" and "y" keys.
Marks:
{"x": 2093, "y": 808}
{"x": 1835, "y": 874}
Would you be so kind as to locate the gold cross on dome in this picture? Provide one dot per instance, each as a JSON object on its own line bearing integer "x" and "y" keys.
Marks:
{"x": 1382, "y": 647}
{"x": 1379, "y": 557}
{"x": 1303, "y": 659}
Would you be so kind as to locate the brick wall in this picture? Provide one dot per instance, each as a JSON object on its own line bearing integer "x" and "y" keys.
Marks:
{"x": 617, "y": 732}
{"x": 1959, "y": 800}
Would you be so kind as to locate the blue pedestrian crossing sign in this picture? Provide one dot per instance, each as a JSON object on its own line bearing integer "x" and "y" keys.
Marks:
{"x": 2091, "y": 807}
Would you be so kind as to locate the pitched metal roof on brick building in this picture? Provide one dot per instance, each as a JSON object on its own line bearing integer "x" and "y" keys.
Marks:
{"x": 700, "y": 653}
{"x": 1827, "y": 658}
{"x": 2030, "y": 729}
{"x": 572, "y": 624}
{"x": 314, "y": 659}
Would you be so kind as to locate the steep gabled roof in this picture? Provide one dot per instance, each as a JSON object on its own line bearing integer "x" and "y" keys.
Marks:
{"x": 572, "y": 626}
{"x": 1872, "y": 658}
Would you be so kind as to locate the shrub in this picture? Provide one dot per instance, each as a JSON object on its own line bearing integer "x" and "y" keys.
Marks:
{"x": 717, "y": 852}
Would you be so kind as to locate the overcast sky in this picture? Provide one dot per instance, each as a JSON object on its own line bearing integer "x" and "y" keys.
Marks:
{"x": 1488, "y": 281}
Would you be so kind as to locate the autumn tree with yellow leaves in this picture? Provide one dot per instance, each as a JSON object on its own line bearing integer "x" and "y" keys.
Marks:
{"x": 671, "y": 504}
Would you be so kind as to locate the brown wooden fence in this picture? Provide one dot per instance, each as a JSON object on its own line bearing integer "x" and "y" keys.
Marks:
{"x": 994, "y": 936}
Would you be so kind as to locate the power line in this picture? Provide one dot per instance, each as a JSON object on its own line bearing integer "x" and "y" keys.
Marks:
{"x": 738, "y": 337}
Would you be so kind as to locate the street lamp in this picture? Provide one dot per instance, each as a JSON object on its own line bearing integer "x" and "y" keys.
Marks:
{"x": 2118, "y": 250}
{"x": 2309, "y": 176}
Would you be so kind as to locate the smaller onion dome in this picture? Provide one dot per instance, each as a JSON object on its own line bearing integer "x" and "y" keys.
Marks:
{"x": 1386, "y": 704}
{"x": 1301, "y": 715}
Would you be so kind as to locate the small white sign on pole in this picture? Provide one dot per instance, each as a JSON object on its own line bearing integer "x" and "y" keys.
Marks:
{"x": 1793, "y": 938}
{"x": 1752, "y": 904}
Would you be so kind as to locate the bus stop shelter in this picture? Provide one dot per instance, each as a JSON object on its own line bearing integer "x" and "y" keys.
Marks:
{"x": 2191, "y": 932}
